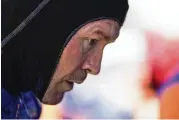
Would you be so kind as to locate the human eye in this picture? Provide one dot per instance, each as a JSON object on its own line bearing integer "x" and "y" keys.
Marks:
{"x": 89, "y": 43}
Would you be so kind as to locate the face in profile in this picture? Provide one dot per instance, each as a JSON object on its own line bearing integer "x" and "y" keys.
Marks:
{"x": 82, "y": 55}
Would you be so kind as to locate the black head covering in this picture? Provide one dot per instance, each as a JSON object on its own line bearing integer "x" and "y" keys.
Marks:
{"x": 30, "y": 58}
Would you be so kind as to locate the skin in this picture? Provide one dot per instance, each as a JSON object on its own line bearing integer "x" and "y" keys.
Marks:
{"x": 169, "y": 99}
{"x": 82, "y": 55}
{"x": 169, "y": 103}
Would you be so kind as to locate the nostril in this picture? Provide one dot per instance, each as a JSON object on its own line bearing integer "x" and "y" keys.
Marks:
{"x": 91, "y": 67}
{"x": 92, "y": 71}
{"x": 89, "y": 71}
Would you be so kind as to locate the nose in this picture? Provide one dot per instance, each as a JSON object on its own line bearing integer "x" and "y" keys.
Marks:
{"x": 93, "y": 64}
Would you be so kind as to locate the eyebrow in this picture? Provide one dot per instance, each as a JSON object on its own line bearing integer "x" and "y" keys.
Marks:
{"x": 101, "y": 33}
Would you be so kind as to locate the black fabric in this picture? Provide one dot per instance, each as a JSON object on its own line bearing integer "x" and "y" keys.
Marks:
{"x": 30, "y": 58}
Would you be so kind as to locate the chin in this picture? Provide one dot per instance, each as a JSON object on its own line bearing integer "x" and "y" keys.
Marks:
{"x": 52, "y": 99}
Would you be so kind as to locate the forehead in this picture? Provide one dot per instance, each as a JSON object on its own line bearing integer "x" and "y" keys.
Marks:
{"x": 100, "y": 23}
{"x": 104, "y": 27}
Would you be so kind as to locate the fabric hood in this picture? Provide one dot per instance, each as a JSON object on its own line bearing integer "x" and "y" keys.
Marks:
{"x": 30, "y": 58}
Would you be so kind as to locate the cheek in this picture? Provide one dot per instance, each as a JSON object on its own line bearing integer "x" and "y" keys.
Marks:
{"x": 72, "y": 56}
{"x": 70, "y": 60}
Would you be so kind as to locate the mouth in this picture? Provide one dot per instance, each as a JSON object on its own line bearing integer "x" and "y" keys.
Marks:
{"x": 77, "y": 81}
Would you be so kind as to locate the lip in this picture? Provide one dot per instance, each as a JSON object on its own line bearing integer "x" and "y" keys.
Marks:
{"x": 79, "y": 81}
{"x": 76, "y": 81}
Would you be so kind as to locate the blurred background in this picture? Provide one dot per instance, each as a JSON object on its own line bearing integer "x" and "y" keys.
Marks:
{"x": 116, "y": 92}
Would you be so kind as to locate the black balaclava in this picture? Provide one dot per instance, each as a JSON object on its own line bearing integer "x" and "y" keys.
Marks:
{"x": 30, "y": 58}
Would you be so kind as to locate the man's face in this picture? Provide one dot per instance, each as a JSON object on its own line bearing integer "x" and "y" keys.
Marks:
{"x": 82, "y": 55}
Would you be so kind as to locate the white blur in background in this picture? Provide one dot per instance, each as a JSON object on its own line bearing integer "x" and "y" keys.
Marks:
{"x": 115, "y": 92}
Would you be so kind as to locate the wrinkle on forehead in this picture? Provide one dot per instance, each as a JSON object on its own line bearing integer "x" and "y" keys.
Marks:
{"x": 98, "y": 24}
{"x": 109, "y": 28}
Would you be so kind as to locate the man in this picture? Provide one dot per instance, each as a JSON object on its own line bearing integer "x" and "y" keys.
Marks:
{"x": 57, "y": 48}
